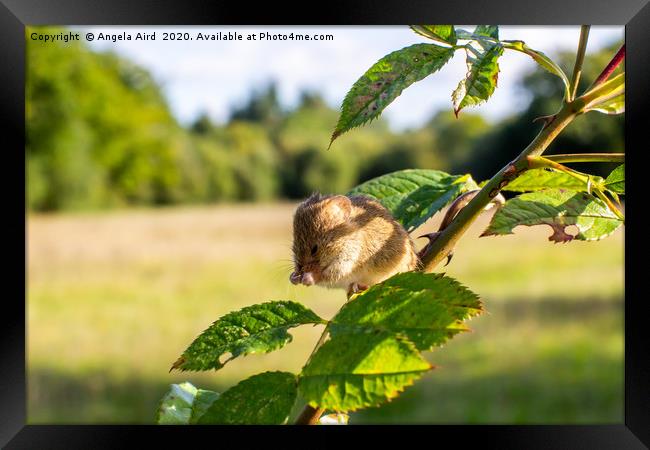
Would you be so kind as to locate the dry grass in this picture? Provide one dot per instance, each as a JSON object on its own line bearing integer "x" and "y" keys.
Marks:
{"x": 122, "y": 293}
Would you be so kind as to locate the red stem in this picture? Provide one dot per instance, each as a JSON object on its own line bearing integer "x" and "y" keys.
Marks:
{"x": 613, "y": 64}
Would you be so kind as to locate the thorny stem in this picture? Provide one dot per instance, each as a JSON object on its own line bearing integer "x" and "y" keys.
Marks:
{"x": 448, "y": 238}
{"x": 609, "y": 69}
{"x": 580, "y": 56}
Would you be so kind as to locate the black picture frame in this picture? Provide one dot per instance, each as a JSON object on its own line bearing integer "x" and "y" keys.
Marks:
{"x": 633, "y": 433}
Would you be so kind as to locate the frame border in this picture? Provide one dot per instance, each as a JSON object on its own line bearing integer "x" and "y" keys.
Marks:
{"x": 634, "y": 14}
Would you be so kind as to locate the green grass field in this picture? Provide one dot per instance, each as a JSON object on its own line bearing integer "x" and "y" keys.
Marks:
{"x": 114, "y": 298}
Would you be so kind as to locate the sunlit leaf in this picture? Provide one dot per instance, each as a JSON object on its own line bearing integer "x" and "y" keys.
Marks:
{"x": 487, "y": 30}
{"x": 427, "y": 308}
{"x": 539, "y": 179}
{"x": 558, "y": 208}
{"x": 414, "y": 195}
{"x": 266, "y": 398}
{"x": 607, "y": 95}
{"x": 615, "y": 181}
{"x": 481, "y": 79}
{"x": 386, "y": 80}
{"x": 254, "y": 329}
{"x": 613, "y": 106}
{"x": 353, "y": 371}
{"x": 541, "y": 59}
{"x": 441, "y": 33}
{"x": 334, "y": 419}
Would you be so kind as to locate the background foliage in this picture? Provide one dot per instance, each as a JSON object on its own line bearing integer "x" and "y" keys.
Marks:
{"x": 100, "y": 134}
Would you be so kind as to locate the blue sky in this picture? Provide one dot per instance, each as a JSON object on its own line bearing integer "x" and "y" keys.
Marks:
{"x": 213, "y": 76}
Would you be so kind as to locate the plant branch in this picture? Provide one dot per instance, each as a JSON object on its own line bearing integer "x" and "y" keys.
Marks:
{"x": 587, "y": 157}
{"x": 580, "y": 56}
{"x": 446, "y": 241}
{"x": 609, "y": 69}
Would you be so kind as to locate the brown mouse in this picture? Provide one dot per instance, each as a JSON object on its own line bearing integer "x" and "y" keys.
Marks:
{"x": 348, "y": 242}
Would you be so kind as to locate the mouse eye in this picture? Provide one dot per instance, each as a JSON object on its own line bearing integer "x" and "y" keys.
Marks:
{"x": 314, "y": 249}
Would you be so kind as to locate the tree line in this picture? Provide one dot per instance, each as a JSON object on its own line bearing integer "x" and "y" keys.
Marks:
{"x": 100, "y": 134}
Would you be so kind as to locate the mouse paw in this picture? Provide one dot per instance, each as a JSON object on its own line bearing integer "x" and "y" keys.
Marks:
{"x": 355, "y": 288}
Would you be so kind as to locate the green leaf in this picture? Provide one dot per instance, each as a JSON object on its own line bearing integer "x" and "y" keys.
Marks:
{"x": 202, "y": 401}
{"x": 427, "y": 308}
{"x": 613, "y": 106}
{"x": 414, "y": 195}
{"x": 541, "y": 59}
{"x": 615, "y": 182}
{"x": 176, "y": 406}
{"x": 539, "y": 179}
{"x": 441, "y": 33}
{"x": 487, "y": 30}
{"x": 558, "y": 208}
{"x": 254, "y": 329}
{"x": 352, "y": 371}
{"x": 606, "y": 95}
{"x": 266, "y": 398}
{"x": 386, "y": 80}
{"x": 481, "y": 79}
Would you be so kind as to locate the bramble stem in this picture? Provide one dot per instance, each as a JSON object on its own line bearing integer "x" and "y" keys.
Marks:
{"x": 580, "y": 56}
{"x": 309, "y": 416}
{"x": 587, "y": 157}
{"x": 609, "y": 69}
{"x": 448, "y": 238}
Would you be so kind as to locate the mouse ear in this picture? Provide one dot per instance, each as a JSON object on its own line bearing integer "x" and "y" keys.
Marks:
{"x": 339, "y": 206}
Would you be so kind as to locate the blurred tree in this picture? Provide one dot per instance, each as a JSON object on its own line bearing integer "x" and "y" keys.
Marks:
{"x": 262, "y": 107}
{"x": 98, "y": 131}
{"x": 456, "y": 137}
{"x": 202, "y": 125}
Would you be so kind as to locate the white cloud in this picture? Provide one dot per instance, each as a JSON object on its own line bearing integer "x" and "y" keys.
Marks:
{"x": 211, "y": 76}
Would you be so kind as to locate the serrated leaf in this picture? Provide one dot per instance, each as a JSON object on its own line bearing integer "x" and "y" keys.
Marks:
{"x": 539, "y": 179}
{"x": 266, "y": 398}
{"x": 558, "y": 208}
{"x": 386, "y": 80}
{"x": 613, "y": 106}
{"x": 541, "y": 59}
{"x": 414, "y": 195}
{"x": 441, "y": 33}
{"x": 176, "y": 406}
{"x": 429, "y": 309}
{"x": 487, "y": 30}
{"x": 353, "y": 371}
{"x": 481, "y": 79}
{"x": 615, "y": 181}
{"x": 254, "y": 329}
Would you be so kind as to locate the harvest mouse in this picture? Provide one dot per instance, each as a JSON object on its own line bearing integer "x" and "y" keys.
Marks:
{"x": 348, "y": 242}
